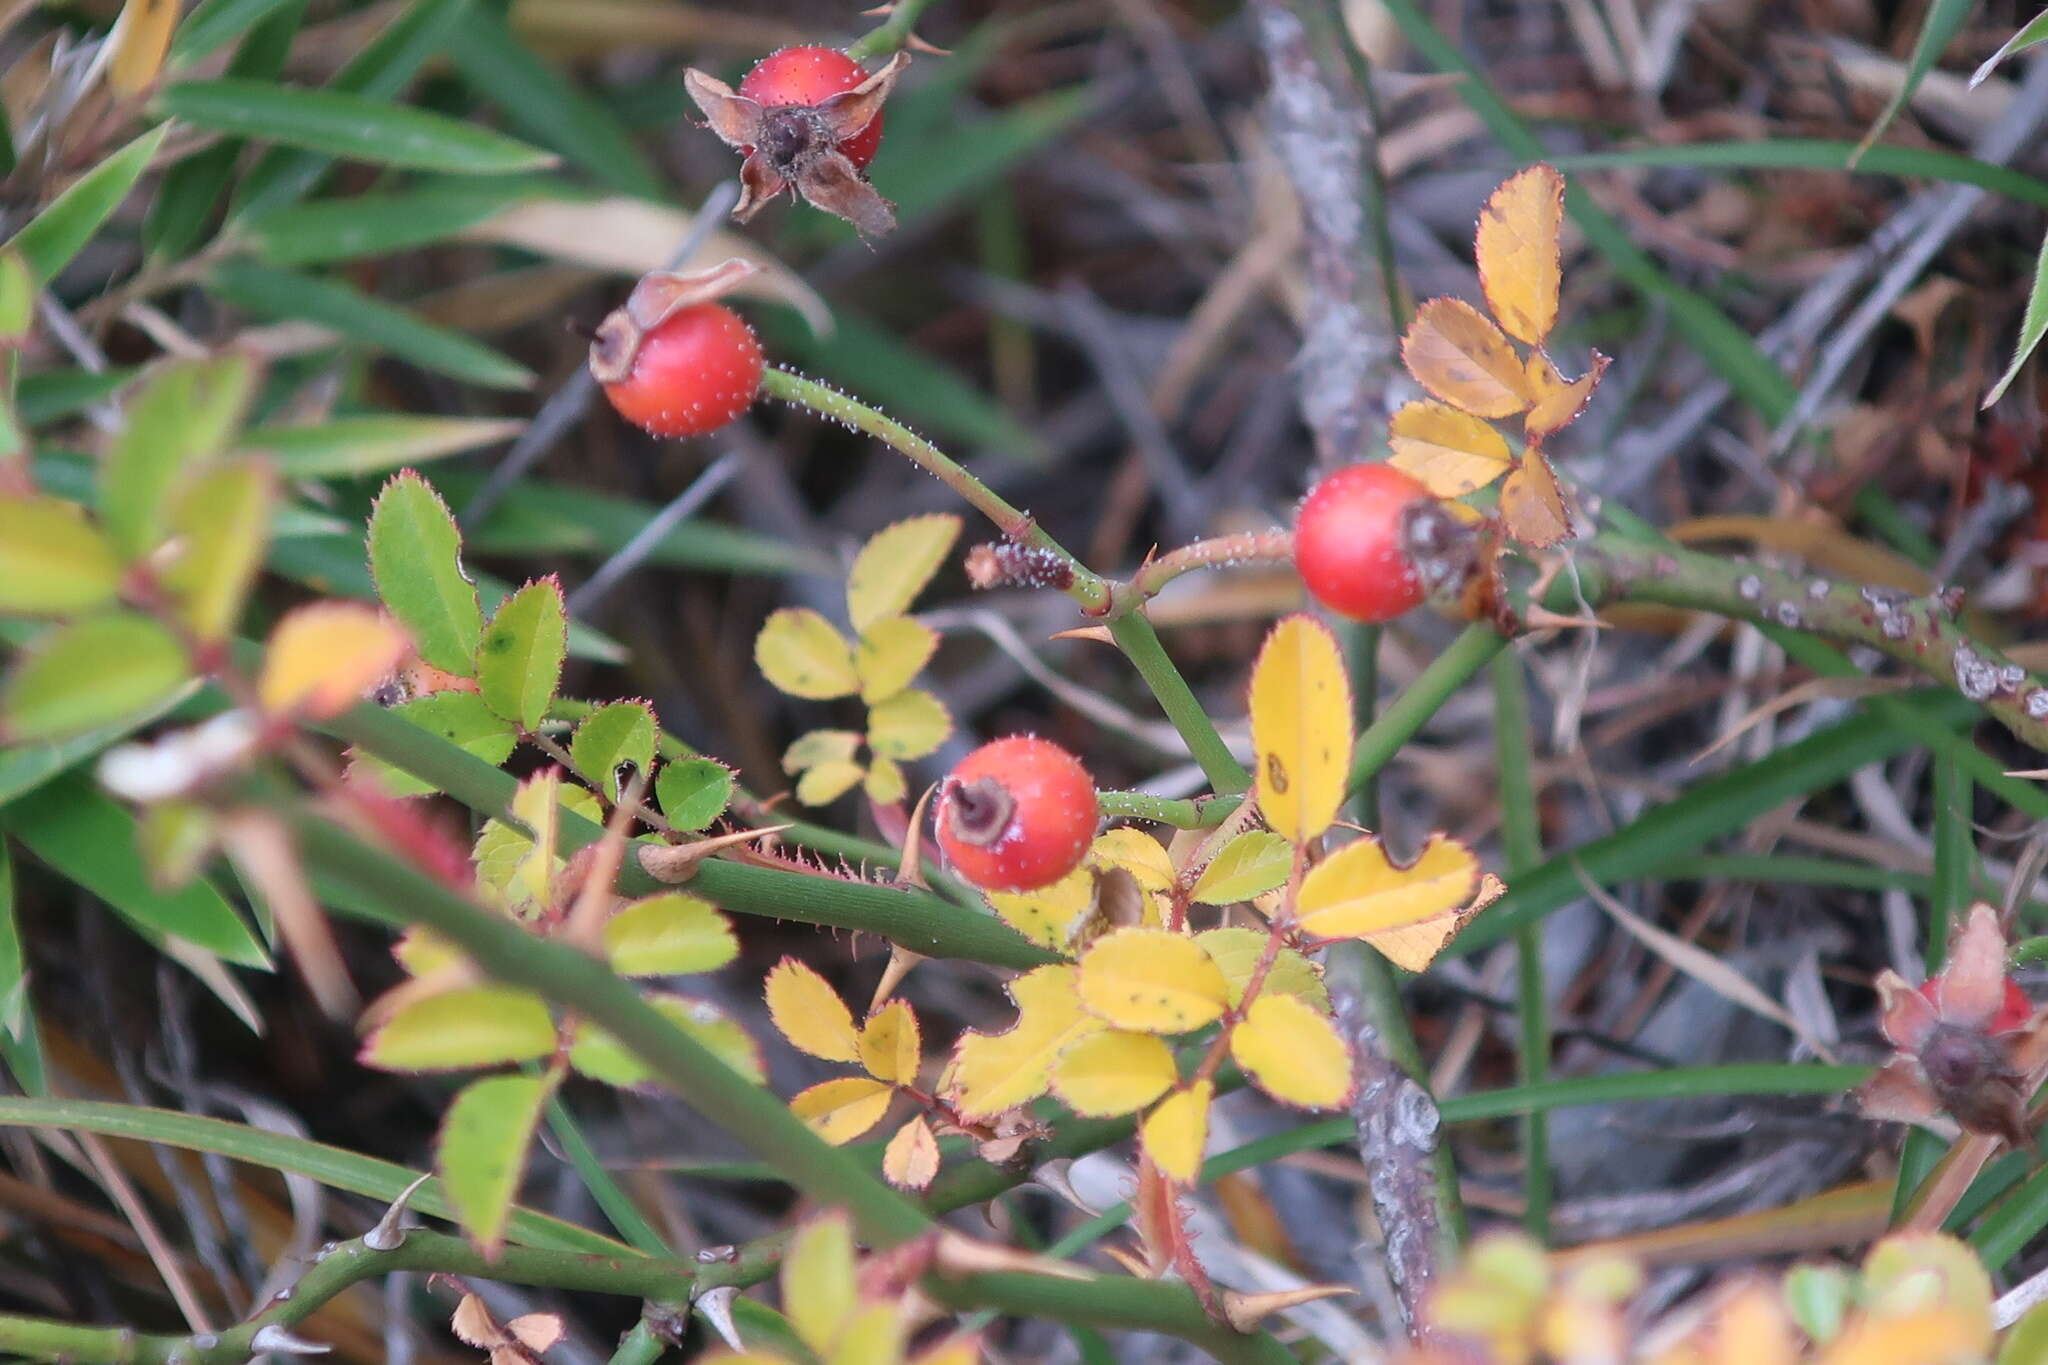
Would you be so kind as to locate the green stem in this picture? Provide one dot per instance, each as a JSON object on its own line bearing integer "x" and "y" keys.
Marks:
{"x": 1410, "y": 711}
{"x": 1201, "y": 813}
{"x": 1522, "y": 842}
{"x": 1140, "y": 644}
{"x": 888, "y": 37}
{"x": 1087, "y": 589}
{"x": 641, "y": 1346}
{"x": 1221, "y": 552}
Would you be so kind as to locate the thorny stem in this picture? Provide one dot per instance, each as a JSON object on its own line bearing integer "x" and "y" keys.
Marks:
{"x": 1217, "y": 552}
{"x": 1140, "y": 644}
{"x": 891, "y": 35}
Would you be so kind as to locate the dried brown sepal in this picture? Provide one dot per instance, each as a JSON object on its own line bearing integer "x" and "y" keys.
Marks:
{"x": 658, "y": 296}
{"x": 798, "y": 146}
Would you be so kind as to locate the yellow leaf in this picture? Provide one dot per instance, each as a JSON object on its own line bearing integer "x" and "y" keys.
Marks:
{"x": 911, "y": 1159}
{"x": 1174, "y": 1134}
{"x": 458, "y": 1029}
{"x": 1151, "y": 980}
{"x": 885, "y": 784}
{"x": 1137, "y": 853}
{"x": 1237, "y": 951}
{"x": 1357, "y": 891}
{"x": 1460, "y": 357}
{"x": 827, "y": 783}
{"x": 1052, "y": 915}
{"x": 1532, "y": 503}
{"x": 1452, "y": 452}
{"x": 1517, "y": 246}
{"x": 908, "y": 725}
{"x": 895, "y": 564}
{"x": 1301, "y": 728}
{"x": 992, "y": 1073}
{"x": 841, "y": 1110}
{"x": 819, "y": 1288}
{"x": 873, "y": 1335}
{"x": 810, "y": 1013}
{"x": 891, "y": 652}
{"x": 1113, "y": 1073}
{"x": 800, "y": 653}
{"x": 324, "y": 656}
{"x": 1558, "y": 401}
{"x": 890, "y": 1046}
{"x": 1415, "y": 946}
{"x": 141, "y": 37}
{"x": 1249, "y": 865}
{"x": 1293, "y": 1052}
{"x": 820, "y": 746}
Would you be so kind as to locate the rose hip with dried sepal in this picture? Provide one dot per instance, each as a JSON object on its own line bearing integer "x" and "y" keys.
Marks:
{"x": 1348, "y": 542}
{"x": 674, "y": 362}
{"x": 807, "y": 120}
{"x": 1017, "y": 814}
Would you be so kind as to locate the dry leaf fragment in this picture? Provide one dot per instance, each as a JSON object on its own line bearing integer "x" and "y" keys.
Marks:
{"x": 518, "y": 1342}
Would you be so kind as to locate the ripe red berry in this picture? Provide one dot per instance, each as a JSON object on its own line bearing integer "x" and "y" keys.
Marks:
{"x": 692, "y": 372}
{"x": 803, "y": 77}
{"x": 2013, "y": 1011}
{"x": 1347, "y": 542}
{"x": 1017, "y": 814}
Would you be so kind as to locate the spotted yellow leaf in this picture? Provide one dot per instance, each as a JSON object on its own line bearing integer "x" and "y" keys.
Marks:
{"x": 800, "y": 653}
{"x": 1358, "y": 891}
{"x": 1519, "y": 253}
{"x": 895, "y": 564}
{"x": 1174, "y": 1134}
{"x": 908, "y": 725}
{"x": 1249, "y": 865}
{"x": 1452, "y": 452}
{"x": 1052, "y": 916}
{"x": 1151, "y": 981}
{"x": 1110, "y": 1074}
{"x": 1532, "y": 502}
{"x": 1137, "y": 853}
{"x": 911, "y": 1160}
{"x": 1301, "y": 728}
{"x": 891, "y": 1047}
{"x": 1459, "y": 356}
{"x": 891, "y": 652}
{"x": 324, "y": 656}
{"x": 994, "y": 1072}
{"x": 1237, "y": 951}
{"x": 1559, "y": 401}
{"x": 1292, "y": 1052}
{"x": 1414, "y": 946}
{"x": 841, "y": 1110}
{"x": 810, "y": 1013}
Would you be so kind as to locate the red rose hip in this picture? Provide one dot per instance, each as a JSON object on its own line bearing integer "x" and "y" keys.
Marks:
{"x": 1347, "y": 542}
{"x": 804, "y": 77}
{"x": 695, "y": 371}
{"x": 1017, "y": 814}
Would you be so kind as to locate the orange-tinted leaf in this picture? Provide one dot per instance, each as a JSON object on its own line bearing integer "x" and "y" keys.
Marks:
{"x": 1452, "y": 452}
{"x": 1414, "y": 946}
{"x": 1301, "y": 728}
{"x": 841, "y": 1110}
{"x": 810, "y": 1013}
{"x": 1559, "y": 401}
{"x": 1520, "y": 268}
{"x": 911, "y": 1159}
{"x": 890, "y": 1046}
{"x": 324, "y": 656}
{"x": 1358, "y": 890}
{"x": 1175, "y": 1133}
{"x": 1459, "y": 356}
{"x": 1532, "y": 502}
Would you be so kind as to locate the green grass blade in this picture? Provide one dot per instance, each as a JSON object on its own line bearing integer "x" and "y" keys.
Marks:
{"x": 214, "y": 23}
{"x": 20, "y": 1043}
{"x": 1944, "y": 20}
{"x": 1822, "y": 155}
{"x": 2032, "y": 325}
{"x": 48, "y": 241}
{"x": 353, "y": 127}
{"x": 2036, "y": 31}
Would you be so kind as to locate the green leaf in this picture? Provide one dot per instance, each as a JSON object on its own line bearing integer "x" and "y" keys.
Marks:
{"x": 601, "y": 1057}
{"x": 186, "y": 411}
{"x": 374, "y": 442}
{"x": 620, "y": 733}
{"x": 2036, "y": 31}
{"x": 52, "y": 560}
{"x": 470, "y": 1026}
{"x": 222, "y": 519}
{"x": 462, "y": 719}
{"x": 357, "y": 317}
{"x": 2026, "y": 1343}
{"x": 94, "y": 672}
{"x": 481, "y": 1152}
{"x": 17, "y": 298}
{"x": 416, "y": 562}
{"x": 335, "y": 1167}
{"x": 25, "y": 767}
{"x": 693, "y": 792}
{"x": 213, "y": 23}
{"x": 91, "y": 840}
{"x": 670, "y": 934}
{"x": 1943, "y": 21}
{"x": 519, "y": 658}
{"x": 50, "y": 239}
{"x": 356, "y": 127}
{"x": 174, "y": 839}
{"x": 377, "y": 224}
{"x": 20, "y": 1043}
{"x": 2032, "y": 325}
{"x": 546, "y": 106}
{"x": 1250, "y": 865}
